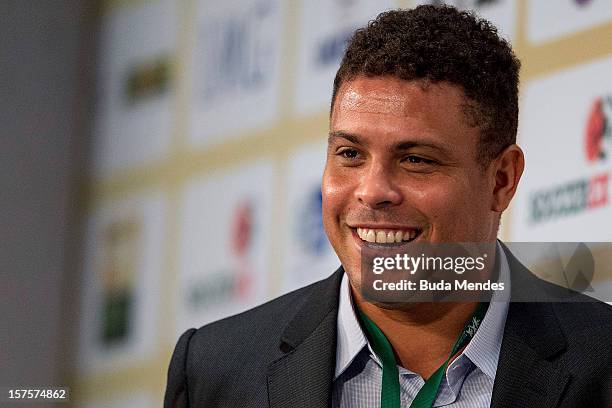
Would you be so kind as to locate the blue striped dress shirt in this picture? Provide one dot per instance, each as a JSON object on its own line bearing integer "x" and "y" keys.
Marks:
{"x": 468, "y": 381}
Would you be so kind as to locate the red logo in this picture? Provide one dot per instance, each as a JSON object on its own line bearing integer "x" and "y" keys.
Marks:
{"x": 242, "y": 235}
{"x": 597, "y": 193}
{"x": 597, "y": 124}
{"x": 242, "y": 228}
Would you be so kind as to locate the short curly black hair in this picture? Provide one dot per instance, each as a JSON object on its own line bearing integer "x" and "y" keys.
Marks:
{"x": 443, "y": 44}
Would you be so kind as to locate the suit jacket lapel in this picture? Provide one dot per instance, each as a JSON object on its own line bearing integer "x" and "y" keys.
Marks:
{"x": 303, "y": 376}
{"x": 527, "y": 375}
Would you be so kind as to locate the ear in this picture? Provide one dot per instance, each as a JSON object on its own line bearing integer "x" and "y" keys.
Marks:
{"x": 507, "y": 169}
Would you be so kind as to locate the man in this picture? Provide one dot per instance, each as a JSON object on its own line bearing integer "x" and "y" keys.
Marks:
{"x": 421, "y": 149}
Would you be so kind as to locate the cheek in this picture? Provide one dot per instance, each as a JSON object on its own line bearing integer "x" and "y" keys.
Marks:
{"x": 448, "y": 201}
{"x": 335, "y": 193}
{"x": 334, "y": 190}
{"x": 458, "y": 209}
{"x": 432, "y": 195}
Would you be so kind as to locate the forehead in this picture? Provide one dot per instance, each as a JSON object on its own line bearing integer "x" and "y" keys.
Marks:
{"x": 394, "y": 96}
{"x": 392, "y": 106}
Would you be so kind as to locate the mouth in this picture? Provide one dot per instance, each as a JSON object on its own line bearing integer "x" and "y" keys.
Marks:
{"x": 386, "y": 236}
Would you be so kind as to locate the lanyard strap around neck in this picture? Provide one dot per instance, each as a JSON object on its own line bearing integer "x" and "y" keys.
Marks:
{"x": 390, "y": 390}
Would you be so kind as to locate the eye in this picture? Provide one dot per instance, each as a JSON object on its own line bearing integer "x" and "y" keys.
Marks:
{"x": 418, "y": 160}
{"x": 348, "y": 153}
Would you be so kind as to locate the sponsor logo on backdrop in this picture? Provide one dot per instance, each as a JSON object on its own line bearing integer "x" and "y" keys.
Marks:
{"x": 242, "y": 239}
{"x": 330, "y": 48}
{"x": 147, "y": 80}
{"x": 598, "y": 129}
{"x": 223, "y": 286}
{"x": 237, "y": 56}
{"x": 580, "y": 195}
{"x": 121, "y": 249}
{"x": 310, "y": 233}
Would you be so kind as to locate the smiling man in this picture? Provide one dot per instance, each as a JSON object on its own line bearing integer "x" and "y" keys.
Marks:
{"x": 421, "y": 150}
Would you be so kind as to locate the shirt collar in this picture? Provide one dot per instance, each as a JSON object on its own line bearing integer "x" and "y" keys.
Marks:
{"x": 350, "y": 338}
{"x": 483, "y": 350}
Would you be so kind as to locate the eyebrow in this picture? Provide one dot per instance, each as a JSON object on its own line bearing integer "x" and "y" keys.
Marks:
{"x": 338, "y": 134}
{"x": 404, "y": 145}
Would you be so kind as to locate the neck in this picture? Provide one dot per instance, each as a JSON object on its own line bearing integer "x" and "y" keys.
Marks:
{"x": 422, "y": 334}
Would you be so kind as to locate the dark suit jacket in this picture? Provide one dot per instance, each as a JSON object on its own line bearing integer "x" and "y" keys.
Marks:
{"x": 282, "y": 354}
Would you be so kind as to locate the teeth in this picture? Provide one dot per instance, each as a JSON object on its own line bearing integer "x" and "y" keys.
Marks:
{"x": 385, "y": 236}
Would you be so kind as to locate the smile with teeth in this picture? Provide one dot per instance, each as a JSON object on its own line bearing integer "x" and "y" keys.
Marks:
{"x": 382, "y": 236}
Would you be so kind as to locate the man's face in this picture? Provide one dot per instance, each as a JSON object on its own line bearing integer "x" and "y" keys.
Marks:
{"x": 401, "y": 166}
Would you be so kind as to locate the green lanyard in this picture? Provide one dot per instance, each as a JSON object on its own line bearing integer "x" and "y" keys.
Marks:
{"x": 390, "y": 391}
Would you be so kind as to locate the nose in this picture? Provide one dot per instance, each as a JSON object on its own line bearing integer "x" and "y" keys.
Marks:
{"x": 377, "y": 189}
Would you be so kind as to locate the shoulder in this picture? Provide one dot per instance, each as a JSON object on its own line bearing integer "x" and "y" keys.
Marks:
{"x": 585, "y": 324}
{"x": 565, "y": 334}
{"x": 580, "y": 317}
{"x": 588, "y": 356}
{"x": 254, "y": 336}
{"x": 543, "y": 312}
{"x": 225, "y": 361}
{"x": 576, "y": 312}
{"x": 261, "y": 324}
{"x": 585, "y": 318}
